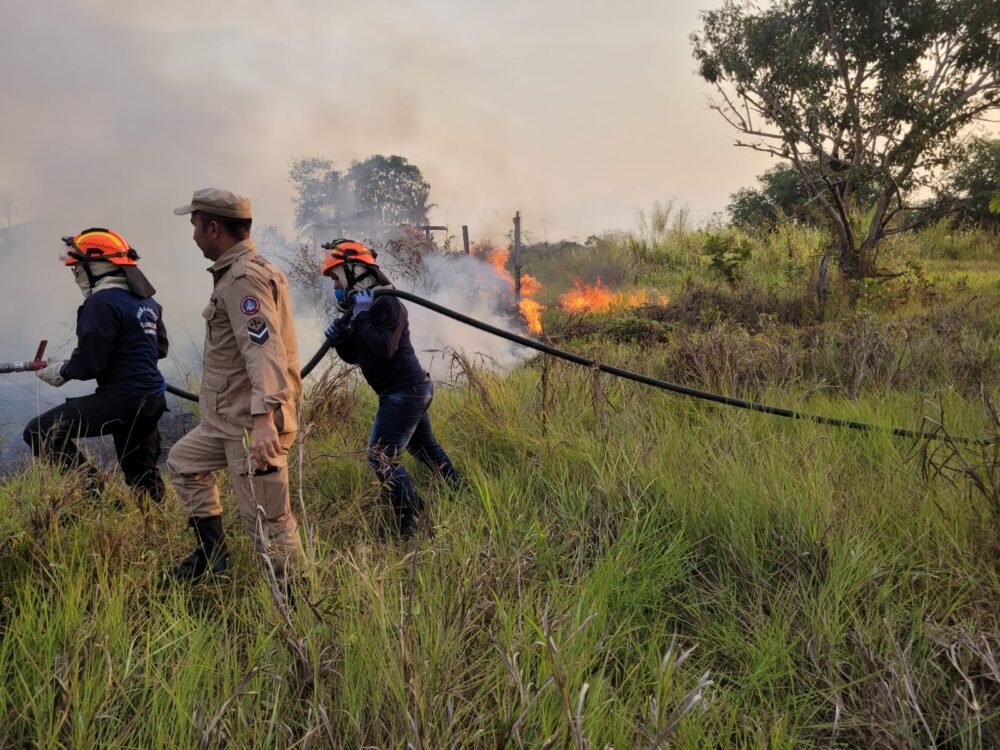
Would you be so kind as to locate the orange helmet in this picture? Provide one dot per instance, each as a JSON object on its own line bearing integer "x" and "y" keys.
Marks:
{"x": 99, "y": 244}
{"x": 346, "y": 251}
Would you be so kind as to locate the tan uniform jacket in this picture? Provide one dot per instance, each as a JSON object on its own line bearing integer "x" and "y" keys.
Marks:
{"x": 251, "y": 357}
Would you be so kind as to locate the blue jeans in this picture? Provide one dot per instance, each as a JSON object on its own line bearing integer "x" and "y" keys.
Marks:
{"x": 402, "y": 423}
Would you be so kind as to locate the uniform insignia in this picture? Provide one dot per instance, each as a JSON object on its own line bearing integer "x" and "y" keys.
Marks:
{"x": 147, "y": 318}
{"x": 257, "y": 331}
{"x": 250, "y": 306}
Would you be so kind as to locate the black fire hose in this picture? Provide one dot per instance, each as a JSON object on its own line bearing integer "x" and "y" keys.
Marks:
{"x": 738, "y": 403}
{"x": 309, "y": 367}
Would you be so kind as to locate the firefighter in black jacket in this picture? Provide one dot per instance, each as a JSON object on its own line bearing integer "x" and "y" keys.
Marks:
{"x": 120, "y": 337}
{"x": 375, "y": 335}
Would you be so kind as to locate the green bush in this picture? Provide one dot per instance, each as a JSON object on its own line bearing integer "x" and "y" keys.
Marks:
{"x": 728, "y": 255}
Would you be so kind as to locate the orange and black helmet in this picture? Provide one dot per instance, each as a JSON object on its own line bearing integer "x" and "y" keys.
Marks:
{"x": 343, "y": 251}
{"x": 99, "y": 244}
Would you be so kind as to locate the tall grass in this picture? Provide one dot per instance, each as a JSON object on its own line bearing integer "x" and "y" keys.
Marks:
{"x": 830, "y": 593}
{"x": 622, "y": 568}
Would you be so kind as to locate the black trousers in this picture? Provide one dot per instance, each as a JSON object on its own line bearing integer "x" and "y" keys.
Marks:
{"x": 130, "y": 419}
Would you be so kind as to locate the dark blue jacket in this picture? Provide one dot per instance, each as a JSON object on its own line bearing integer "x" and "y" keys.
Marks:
{"x": 378, "y": 341}
{"x": 119, "y": 338}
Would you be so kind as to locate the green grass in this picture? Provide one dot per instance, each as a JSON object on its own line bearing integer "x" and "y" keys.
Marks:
{"x": 616, "y": 554}
{"x": 815, "y": 573}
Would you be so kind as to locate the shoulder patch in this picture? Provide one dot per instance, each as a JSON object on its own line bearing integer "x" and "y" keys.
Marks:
{"x": 250, "y": 305}
{"x": 258, "y": 331}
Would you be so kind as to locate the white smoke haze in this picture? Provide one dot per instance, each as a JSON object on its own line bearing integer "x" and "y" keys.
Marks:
{"x": 576, "y": 113}
{"x": 470, "y": 286}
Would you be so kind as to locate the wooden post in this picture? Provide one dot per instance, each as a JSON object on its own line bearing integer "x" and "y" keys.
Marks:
{"x": 465, "y": 238}
{"x": 428, "y": 228}
{"x": 517, "y": 256}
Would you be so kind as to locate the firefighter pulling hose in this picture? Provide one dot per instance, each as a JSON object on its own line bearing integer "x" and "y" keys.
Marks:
{"x": 120, "y": 337}
{"x": 373, "y": 332}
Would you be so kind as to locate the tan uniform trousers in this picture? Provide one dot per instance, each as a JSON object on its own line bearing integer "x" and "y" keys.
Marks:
{"x": 261, "y": 500}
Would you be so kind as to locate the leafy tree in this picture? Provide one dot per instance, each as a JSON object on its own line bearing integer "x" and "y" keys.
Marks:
{"x": 727, "y": 257}
{"x": 974, "y": 181}
{"x": 783, "y": 193}
{"x": 854, "y": 92}
{"x": 378, "y": 192}
{"x": 390, "y": 187}
{"x": 318, "y": 189}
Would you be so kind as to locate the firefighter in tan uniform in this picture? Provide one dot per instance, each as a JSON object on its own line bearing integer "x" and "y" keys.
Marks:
{"x": 249, "y": 394}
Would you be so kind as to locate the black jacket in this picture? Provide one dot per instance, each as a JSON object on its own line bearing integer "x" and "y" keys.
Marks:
{"x": 378, "y": 341}
{"x": 120, "y": 337}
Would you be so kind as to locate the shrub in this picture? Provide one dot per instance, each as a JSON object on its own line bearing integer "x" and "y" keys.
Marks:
{"x": 728, "y": 255}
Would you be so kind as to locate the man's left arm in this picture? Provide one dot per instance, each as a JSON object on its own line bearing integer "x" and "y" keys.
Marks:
{"x": 162, "y": 342}
{"x": 253, "y": 313}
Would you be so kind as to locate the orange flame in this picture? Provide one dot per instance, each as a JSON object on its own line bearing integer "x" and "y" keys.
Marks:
{"x": 531, "y": 309}
{"x": 584, "y": 298}
{"x": 498, "y": 259}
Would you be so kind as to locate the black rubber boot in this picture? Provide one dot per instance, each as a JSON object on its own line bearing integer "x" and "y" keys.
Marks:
{"x": 210, "y": 556}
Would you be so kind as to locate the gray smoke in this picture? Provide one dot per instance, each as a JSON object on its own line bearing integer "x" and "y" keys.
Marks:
{"x": 463, "y": 283}
{"x": 470, "y": 286}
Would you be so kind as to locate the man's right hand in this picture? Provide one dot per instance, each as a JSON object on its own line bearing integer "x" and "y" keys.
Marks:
{"x": 264, "y": 442}
{"x": 51, "y": 373}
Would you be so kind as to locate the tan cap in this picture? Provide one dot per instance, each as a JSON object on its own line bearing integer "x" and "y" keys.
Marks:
{"x": 218, "y": 202}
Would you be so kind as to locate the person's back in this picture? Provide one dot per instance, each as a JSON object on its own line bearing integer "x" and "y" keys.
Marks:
{"x": 382, "y": 348}
{"x": 120, "y": 340}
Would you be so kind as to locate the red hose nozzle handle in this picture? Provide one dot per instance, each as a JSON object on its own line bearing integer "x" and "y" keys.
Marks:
{"x": 38, "y": 363}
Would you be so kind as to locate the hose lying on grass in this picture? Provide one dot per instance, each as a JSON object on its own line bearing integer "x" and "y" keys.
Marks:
{"x": 738, "y": 403}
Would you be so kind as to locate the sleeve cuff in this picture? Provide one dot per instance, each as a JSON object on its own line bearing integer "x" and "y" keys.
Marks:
{"x": 267, "y": 404}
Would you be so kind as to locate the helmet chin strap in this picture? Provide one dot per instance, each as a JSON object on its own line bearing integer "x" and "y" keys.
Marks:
{"x": 93, "y": 278}
{"x": 356, "y": 281}
{"x": 355, "y": 278}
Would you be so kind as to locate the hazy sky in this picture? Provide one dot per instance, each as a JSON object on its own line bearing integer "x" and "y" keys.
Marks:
{"x": 575, "y": 112}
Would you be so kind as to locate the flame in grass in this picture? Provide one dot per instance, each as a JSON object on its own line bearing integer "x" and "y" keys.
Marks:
{"x": 589, "y": 298}
{"x": 582, "y": 298}
{"x": 530, "y": 308}
{"x": 531, "y": 311}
